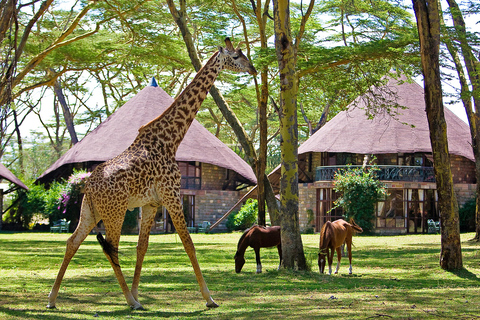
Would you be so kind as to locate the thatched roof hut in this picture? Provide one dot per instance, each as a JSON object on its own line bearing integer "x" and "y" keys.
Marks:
{"x": 119, "y": 130}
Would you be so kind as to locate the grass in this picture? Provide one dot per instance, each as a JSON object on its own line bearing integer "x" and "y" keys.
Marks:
{"x": 393, "y": 277}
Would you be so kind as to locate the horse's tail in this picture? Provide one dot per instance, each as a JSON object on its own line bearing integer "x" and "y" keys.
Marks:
{"x": 355, "y": 226}
{"x": 323, "y": 232}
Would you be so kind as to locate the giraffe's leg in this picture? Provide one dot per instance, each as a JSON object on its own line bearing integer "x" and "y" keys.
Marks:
{"x": 174, "y": 207}
{"x": 85, "y": 225}
{"x": 148, "y": 216}
{"x": 110, "y": 248}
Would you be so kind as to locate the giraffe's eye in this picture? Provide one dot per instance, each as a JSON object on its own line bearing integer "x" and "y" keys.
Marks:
{"x": 235, "y": 57}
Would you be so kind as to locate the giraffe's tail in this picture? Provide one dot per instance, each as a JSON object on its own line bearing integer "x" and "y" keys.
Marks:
{"x": 108, "y": 248}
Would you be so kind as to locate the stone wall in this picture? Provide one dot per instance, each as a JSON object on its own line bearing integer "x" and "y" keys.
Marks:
{"x": 463, "y": 170}
{"x": 211, "y": 205}
{"x": 307, "y": 200}
{"x": 213, "y": 177}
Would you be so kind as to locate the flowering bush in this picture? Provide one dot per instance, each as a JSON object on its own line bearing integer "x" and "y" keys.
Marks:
{"x": 360, "y": 190}
{"x": 72, "y": 190}
{"x": 69, "y": 198}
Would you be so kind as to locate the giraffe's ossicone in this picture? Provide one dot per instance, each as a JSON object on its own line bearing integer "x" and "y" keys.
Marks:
{"x": 146, "y": 175}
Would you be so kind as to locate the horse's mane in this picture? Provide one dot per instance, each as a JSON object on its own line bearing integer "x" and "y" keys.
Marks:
{"x": 355, "y": 227}
{"x": 244, "y": 235}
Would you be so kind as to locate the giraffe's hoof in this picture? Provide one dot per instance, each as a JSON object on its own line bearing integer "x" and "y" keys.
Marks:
{"x": 51, "y": 306}
{"x": 137, "y": 306}
{"x": 212, "y": 305}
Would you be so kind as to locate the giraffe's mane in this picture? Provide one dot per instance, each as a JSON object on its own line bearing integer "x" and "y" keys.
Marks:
{"x": 214, "y": 56}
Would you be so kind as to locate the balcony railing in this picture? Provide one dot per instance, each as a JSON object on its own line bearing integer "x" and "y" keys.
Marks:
{"x": 387, "y": 173}
{"x": 192, "y": 183}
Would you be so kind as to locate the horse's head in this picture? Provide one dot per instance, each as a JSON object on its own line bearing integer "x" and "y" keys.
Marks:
{"x": 239, "y": 262}
{"x": 322, "y": 259}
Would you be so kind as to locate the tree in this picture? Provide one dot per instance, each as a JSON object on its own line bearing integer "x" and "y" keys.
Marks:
{"x": 428, "y": 22}
{"x": 473, "y": 71}
{"x": 251, "y": 155}
{"x": 292, "y": 247}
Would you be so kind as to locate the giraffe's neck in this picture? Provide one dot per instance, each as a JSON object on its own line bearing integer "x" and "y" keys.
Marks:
{"x": 172, "y": 125}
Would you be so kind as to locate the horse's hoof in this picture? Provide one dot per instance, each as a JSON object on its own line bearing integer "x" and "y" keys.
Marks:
{"x": 212, "y": 305}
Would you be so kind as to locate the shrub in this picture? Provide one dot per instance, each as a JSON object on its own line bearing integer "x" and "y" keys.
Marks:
{"x": 245, "y": 218}
{"x": 130, "y": 221}
{"x": 360, "y": 191}
{"x": 70, "y": 198}
{"x": 467, "y": 216}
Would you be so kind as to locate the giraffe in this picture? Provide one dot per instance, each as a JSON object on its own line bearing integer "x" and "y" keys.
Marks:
{"x": 146, "y": 175}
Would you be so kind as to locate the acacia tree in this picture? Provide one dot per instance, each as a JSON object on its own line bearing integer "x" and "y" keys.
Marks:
{"x": 292, "y": 247}
{"x": 428, "y": 21}
{"x": 472, "y": 66}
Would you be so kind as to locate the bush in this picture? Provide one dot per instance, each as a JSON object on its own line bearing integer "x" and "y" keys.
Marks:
{"x": 245, "y": 218}
{"x": 360, "y": 190}
{"x": 467, "y": 216}
{"x": 130, "y": 221}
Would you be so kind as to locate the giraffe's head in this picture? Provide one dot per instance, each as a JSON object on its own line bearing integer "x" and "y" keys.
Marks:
{"x": 234, "y": 59}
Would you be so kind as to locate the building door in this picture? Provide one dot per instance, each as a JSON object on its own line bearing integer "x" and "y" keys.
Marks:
{"x": 326, "y": 210}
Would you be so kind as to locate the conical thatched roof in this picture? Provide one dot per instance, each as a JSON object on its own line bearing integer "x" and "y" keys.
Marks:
{"x": 118, "y": 131}
{"x": 351, "y": 131}
{"x": 8, "y": 175}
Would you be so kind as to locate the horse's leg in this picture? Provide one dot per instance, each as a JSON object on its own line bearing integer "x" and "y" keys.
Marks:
{"x": 85, "y": 225}
{"x": 330, "y": 252}
{"x": 257, "y": 258}
{"x": 349, "y": 248}
{"x": 148, "y": 216}
{"x": 279, "y": 248}
{"x": 339, "y": 257}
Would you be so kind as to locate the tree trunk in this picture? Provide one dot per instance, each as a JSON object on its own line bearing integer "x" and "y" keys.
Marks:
{"x": 473, "y": 69}
{"x": 428, "y": 23}
{"x": 19, "y": 142}
{"x": 293, "y": 255}
{"x": 1, "y": 208}
{"x": 67, "y": 115}
{"x": 262, "y": 100}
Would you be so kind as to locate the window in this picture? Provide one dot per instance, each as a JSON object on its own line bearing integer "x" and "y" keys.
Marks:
{"x": 191, "y": 174}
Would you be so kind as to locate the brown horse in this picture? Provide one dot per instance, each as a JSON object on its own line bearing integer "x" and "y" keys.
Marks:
{"x": 332, "y": 236}
{"x": 257, "y": 237}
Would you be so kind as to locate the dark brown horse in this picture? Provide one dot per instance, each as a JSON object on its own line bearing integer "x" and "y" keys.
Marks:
{"x": 332, "y": 236}
{"x": 257, "y": 237}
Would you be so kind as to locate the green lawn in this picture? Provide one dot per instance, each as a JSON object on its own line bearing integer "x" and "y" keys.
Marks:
{"x": 393, "y": 277}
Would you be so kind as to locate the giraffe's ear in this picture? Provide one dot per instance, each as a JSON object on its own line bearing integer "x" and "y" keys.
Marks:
{"x": 220, "y": 49}
{"x": 229, "y": 45}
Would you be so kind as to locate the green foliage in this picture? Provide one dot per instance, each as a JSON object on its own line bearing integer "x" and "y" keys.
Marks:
{"x": 245, "y": 218}
{"x": 61, "y": 200}
{"x": 130, "y": 221}
{"x": 360, "y": 191}
{"x": 467, "y": 215}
